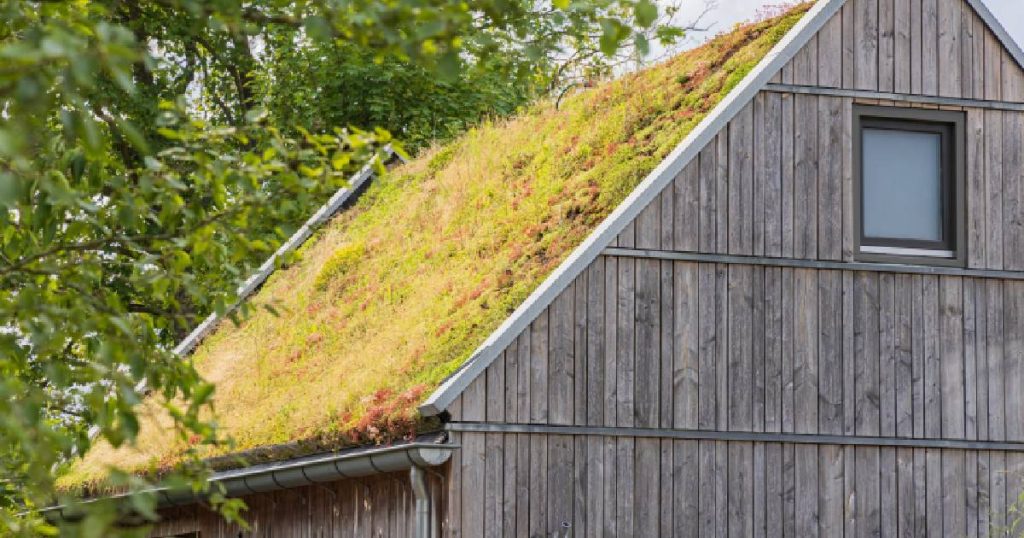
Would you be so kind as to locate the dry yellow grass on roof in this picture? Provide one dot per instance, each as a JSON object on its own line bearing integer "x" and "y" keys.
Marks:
{"x": 395, "y": 293}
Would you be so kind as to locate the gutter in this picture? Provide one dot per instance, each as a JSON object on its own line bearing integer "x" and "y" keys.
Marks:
{"x": 415, "y": 457}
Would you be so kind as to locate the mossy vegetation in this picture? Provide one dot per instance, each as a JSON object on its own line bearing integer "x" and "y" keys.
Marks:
{"x": 396, "y": 292}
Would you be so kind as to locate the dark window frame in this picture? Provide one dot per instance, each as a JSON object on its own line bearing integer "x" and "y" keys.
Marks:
{"x": 951, "y": 126}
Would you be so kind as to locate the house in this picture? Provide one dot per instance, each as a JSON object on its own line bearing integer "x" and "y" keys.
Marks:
{"x": 774, "y": 288}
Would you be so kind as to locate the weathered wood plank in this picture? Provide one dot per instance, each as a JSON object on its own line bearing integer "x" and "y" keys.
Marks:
{"x": 597, "y": 476}
{"x": 865, "y": 330}
{"x": 523, "y": 375}
{"x": 807, "y": 501}
{"x": 625, "y": 469}
{"x": 805, "y": 353}
{"x": 848, "y": 13}
{"x": 866, "y": 44}
{"x": 595, "y": 334}
{"x": 929, "y": 47}
{"x": 685, "y": 377}
{"x": 647, "y": 324}
{"x": 888, "y": 491}
{"x": 560, "y": 483}
{"x": 670, "y": 373}
{"x": 647, "y": 500}
{"x": 758, "y": 158}
{"x": 625, "y": 350}
{"x": 561, "y": 358}
{"x": 849, "y": 231}
{"x": 740, "y": 489}
{"x": 473, "y": 475}
{"x": 774, "y": 490}
{"x": 1013, "y": 351}
{"x": 741, "y": 182}
{"x": 887, "y": 44}
{"x": 788, "y": 326}
{"x": 686, "y": 489}
{"x": 722, "y": 216}
{"x": 887, "y": 355}
{"x": 687, "y": 208}
{"x": 996, "y": 367}
{"x": 708, "y": 217}
{"x": 993, "y": 67}
{"x": 916, "y": 54}
{"x": 788, "y": 139}
{"x": 904, "y": 358}
{"x": 769, "y": 174}
{"x": 830, "y": 53}
{"x": 976, "y": 195}
{"x": 538, "y": 364}
{"x": 954, "y": 493}
{"x": 901, "y": 45}
{"x": 1012, "y": 192}
{"x": 830, "y": 353}
{"x": 707, "y": 376}
{"x": 581, "y": 347}
{"x": 611, "y": 342}
{"x": 740, "y": 366}
{"x": 868, "y": 510}
{"x": 830, "y": 178}
{"x": 934, "y": 492}
{"x": 905, "y": 508}
{"x": 805, "y": 177}
{"x": 512, "y": 483}
{"x": 831, "y": 503}
{"x": 706, "y": 500}
{"x": 494, "y": 484}
{"x": 538, "y": 488}
{"x": 773, "y": 349}
{"x": 951, "y": 321}
{"x": 950, "y": 52}
{"x": 932, "y": 359}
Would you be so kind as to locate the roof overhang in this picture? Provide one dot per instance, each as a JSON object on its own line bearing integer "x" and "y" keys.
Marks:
{"x": 426, "y": 451}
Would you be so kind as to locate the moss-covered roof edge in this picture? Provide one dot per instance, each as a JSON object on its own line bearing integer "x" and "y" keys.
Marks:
{"x": 630, "y": 208}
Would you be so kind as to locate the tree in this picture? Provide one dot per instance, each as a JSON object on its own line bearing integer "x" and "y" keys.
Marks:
{"x": 149, "y": 158}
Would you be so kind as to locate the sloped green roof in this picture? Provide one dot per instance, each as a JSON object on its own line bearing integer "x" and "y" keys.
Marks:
{"x": 395, "y": 293}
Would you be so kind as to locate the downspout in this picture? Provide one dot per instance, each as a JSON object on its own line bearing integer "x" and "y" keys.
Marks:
{"x": 421, "y": 492}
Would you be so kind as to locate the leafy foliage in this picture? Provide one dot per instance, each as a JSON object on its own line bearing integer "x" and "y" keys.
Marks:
{"x": 148, "y": 160}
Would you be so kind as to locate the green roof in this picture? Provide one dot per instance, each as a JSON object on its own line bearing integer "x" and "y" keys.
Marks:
{"x": 396, "y": 292}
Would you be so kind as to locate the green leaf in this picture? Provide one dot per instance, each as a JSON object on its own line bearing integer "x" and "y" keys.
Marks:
{"x": 646, "y": 12}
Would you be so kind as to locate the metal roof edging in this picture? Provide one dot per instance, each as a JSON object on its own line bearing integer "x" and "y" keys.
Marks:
{"x": 999, "y": 30}
{"x": 630, "y": 208}
{"x": 336, "y": 466}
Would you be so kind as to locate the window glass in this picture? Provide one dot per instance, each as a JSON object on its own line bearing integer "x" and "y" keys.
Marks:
{"x": 902, "y": 175}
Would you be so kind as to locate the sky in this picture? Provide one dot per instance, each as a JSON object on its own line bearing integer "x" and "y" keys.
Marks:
{"x": 728, "y": 12}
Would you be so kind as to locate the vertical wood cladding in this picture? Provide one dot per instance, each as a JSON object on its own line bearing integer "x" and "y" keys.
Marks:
{"x": 673, "y": 487}
{"x": 372, "y": 506}
{"x": 733, "y": 347}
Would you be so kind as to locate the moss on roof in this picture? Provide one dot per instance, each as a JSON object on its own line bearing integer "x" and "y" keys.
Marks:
{"x": 395, "y": 293}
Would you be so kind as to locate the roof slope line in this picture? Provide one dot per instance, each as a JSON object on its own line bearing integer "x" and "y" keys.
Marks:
{"x": 637, "y": 200}
{"x": 999, "y": 30}
{"x": 253, "y": 283}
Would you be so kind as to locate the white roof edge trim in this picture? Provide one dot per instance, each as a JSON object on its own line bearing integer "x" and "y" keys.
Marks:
{"x": 999, "y": 30}
{"x": 637, "y": 200}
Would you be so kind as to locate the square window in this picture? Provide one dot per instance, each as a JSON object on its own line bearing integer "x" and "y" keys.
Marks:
{"x": 909, "y": 185}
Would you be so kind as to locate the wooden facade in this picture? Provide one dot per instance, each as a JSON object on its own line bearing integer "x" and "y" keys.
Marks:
{"x": 372, "y": 506}
{"x": 866, "y": 402}
{"x": 727, "y": 367}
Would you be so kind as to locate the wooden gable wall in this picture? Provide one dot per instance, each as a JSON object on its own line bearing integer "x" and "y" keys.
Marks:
{"x": 753, "y": 342}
